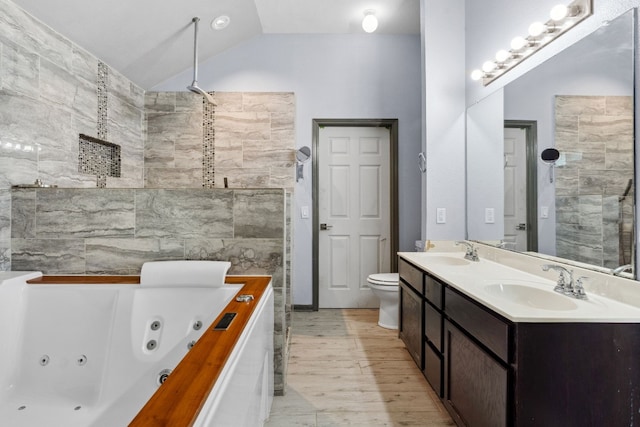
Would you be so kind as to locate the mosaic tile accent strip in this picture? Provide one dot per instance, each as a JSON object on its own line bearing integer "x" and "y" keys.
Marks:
{"x": 103, "y": 81}
{"x": 97, "y": 157}
{"x": 208, "y": 144}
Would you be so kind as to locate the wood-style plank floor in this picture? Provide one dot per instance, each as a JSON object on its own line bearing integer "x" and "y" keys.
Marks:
{"x": 345, "y": 370}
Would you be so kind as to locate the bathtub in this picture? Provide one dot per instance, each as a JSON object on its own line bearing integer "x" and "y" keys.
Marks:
{"x": 79, "y": 354}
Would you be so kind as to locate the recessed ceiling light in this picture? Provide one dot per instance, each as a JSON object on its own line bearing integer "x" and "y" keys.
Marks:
{"x": 220, "y": 22}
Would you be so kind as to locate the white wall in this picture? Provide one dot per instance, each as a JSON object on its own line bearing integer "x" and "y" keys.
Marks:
{"x": 332, "y": 76}
{"x": 443, "y": 47}
{"x": 485, "y": 167}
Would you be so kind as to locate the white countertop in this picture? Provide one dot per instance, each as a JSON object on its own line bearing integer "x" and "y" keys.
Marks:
{"x": 539, "y": 303}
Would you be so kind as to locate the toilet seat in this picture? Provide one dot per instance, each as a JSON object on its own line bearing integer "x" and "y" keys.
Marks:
{"x": 384, "y": 279}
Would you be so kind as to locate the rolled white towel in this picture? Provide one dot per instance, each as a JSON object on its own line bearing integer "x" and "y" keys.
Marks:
{"x": 184, "y": 273}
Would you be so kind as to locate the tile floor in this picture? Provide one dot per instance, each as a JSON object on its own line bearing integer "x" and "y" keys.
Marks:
{"x": 345, "y": 370}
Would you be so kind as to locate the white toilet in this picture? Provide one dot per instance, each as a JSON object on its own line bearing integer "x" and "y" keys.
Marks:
{"x": 385, "y": 287}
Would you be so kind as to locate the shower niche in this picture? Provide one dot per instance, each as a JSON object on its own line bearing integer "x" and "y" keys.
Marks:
{"x": 98, "y": 157}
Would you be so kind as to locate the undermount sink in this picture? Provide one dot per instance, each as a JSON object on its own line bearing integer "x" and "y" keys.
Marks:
{"x": 446, "y": 260}
{"x": 530, "y": 296}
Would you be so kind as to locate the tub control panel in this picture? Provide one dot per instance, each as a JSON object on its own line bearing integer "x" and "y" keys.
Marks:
{"x": 224, "y": 323}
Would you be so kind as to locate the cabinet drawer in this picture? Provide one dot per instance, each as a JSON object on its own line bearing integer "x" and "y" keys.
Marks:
{"x": 433, "y": 325}
{"x": 433, "y": 291}
{"x": 412, "y": 275}
{"x": 484, "y": 326}
{"x": 433, "y": 368}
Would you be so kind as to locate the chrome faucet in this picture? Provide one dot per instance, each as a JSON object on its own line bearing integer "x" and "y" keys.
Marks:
{"x": 471, "y": 253}
{"x": 565, "y": 284}
{"x": 565, "y": 280}
{"x": 578, "y": 289}
{"x": 621, "y": 269}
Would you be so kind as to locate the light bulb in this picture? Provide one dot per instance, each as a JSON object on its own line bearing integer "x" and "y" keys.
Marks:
{"x": 559, "y": 12}
{"x": 370, "y": 22}
{"x": 502, "y": 55}
{"x": 488, "y": 66}
{"x": 476, "y": 74}
{"x": 518, "y": 43}
{"x": 536, "y": 29}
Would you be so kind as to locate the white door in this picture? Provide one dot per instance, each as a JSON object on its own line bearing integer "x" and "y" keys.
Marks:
{"x": 515, "y": 189}
{"x": 354, "y": 213}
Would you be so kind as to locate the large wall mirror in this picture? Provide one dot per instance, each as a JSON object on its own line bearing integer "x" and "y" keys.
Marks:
{"x": 550, "y": 157}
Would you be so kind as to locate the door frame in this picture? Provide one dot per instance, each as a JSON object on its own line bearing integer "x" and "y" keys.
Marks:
{"x": 531, "y": 134}
{"x": 392, "y": 125}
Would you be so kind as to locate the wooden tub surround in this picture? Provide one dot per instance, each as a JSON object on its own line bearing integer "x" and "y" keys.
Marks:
{"x": 179, "y": 400}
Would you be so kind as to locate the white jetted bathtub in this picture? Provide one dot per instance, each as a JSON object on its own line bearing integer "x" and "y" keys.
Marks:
{"x": 94, "y": 354}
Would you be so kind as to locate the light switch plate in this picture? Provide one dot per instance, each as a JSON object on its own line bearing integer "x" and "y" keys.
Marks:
{"x": 489, "y": 216}
{"x": 544, "y": 212}
{"x": 441, "y": 215}
{"x": 304, "y": 212}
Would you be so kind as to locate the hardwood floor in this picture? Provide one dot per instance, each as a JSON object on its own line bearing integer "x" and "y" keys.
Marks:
{"x": 345, "y": 370}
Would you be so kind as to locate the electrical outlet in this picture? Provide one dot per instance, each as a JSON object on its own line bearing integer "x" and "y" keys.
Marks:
{"x": 441, "y": 215}
{"x": 489, "y": 215}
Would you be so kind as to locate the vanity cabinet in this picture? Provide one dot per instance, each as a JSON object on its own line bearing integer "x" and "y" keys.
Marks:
{"x": 410, "y": 323}
{"x": 476, "y": 366}
{"x": 421, "y": 321}
{"x": 490, "y": 371}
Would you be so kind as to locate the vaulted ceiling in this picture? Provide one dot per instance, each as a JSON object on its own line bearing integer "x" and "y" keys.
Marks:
{"x": 150, "y": 41}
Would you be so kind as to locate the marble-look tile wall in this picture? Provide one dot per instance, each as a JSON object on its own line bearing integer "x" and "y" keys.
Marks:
{"x": 173, "y": 149}
{"x": 254, "y": 141}
{"x": 594, "y": 135}
{"x": 48, "y": 96}
{"x": 114, "y": 231}
{"x": 253, "y": 147}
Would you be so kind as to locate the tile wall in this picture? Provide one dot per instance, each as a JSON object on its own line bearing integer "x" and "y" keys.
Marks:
{"x": 48, "y": 96}
{"x": 594, "y": 135}
{"x": 51, "y": 91}
{"x": 253, "y": 140}
{"x": 114, "y": 231}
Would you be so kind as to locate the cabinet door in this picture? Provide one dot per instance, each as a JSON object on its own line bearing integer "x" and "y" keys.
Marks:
{"x": 475, "y": 384}
{"x": 411, "y": 322}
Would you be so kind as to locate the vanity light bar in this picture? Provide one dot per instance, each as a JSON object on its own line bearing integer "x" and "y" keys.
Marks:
{"x": 562, "y": 19}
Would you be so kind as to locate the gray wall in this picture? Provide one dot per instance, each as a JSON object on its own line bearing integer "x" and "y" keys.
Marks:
{"x": 49, "y": 91}
{"x": 114, "y": 231}
{"x": 48, "y": 97}
{"x": 332, "y": 76}
{"x": 594, "y": 134}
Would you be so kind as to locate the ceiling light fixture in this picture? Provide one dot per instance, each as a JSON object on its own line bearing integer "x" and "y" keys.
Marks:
{"x": 370, "y": 22}
{"x": 221, "y": 22}
{"x": 563, "y": 18}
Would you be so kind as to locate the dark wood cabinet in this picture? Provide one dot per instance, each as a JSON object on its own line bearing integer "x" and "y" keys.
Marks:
{"x": 490, "y": 371}
{"x": 476, "y": 384}
{"x": 410, "y": 328}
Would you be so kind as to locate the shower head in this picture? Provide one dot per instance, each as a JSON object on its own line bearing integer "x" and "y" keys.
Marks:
{"x": 194, "y": 86}
{"x": 197, "y": 89}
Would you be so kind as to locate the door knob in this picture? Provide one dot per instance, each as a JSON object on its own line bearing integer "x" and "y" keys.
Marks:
{"x": 521, "y": 226}
{"x": 325, "y": 227}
